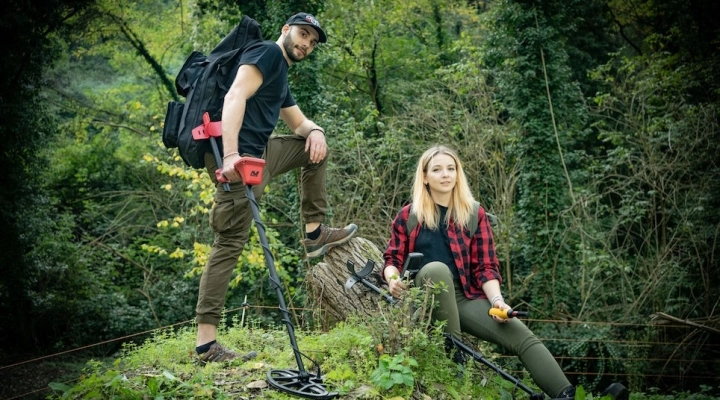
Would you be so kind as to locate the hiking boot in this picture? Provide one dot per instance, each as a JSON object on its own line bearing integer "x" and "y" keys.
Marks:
{"x": 617, "y": 391}
{"x": 218, "y": 353}
{"x": 329, "y": 238}
{"x": 567, "y": 394}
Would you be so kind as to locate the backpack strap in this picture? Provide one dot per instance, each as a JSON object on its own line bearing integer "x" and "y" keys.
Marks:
{"x": 492, "y": 219}
{"x": 413, "y": 221}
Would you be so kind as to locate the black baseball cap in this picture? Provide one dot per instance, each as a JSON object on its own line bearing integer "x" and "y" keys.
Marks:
{"x": 308, "y": 19}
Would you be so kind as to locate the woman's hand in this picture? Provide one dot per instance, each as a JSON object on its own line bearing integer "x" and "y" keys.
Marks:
{"x": 396, "y": 286}
{"x": 503, "y": 306}
{"x": 492, "y": 291}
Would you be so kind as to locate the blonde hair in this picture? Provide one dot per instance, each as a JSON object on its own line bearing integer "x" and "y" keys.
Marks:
{"x": 461, "y": 199}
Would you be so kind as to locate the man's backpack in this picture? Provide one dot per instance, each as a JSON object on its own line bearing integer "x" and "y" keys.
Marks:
{"x": 204, "y": 81}
{"x": 413, "y": 221}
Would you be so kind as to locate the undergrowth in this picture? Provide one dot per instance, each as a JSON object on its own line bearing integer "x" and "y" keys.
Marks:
{"x": 397, "y": 355}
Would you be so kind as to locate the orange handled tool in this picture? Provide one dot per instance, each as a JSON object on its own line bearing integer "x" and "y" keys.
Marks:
{"x": 508, "y": 313}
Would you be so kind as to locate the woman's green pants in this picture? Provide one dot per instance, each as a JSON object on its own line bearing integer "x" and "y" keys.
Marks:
{"x": 471, "y": 316}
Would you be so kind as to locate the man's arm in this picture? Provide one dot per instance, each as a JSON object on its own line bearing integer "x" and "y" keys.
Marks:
{"x": 314, "y": 135}
{"x": 246, "y": 83}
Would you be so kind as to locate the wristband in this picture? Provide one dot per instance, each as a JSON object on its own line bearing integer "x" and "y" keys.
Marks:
{"x": 317, "y": 129}
{"x": 495, "y": 299}
{"x": 231, "y": 154}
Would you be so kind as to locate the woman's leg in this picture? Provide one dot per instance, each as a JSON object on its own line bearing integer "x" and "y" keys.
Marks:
{"x": 447, "y": 309}
{"x": 516, "y": 337}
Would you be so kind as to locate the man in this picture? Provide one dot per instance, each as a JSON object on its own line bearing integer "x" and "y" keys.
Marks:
{"x": 258, "y": 97}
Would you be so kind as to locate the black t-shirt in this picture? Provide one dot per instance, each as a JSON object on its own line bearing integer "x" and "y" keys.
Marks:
{"x": 262, "y": 110}
{"x": 435, "y": 244}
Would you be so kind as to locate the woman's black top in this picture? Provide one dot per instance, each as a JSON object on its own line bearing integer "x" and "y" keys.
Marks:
{"x": 435, "y": 244}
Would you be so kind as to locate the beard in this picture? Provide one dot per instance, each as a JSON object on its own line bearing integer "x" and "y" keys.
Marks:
{"x": 289, "y": 47}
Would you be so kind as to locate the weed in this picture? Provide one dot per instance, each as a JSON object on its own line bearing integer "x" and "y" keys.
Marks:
{"x": 394, "y": 371}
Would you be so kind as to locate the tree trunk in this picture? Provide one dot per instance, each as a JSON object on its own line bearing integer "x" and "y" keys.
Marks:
{"x": 327, "y": 281}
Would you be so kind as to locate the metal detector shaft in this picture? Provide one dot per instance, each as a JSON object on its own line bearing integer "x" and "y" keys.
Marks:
{"x": 478, "y": 357}
{"x": 360, "y": 276}
{"x": 218, "y": 160}
{"x": 269, "y": 261}
{"x": 298, "y": 382}
{"x": 387, "y": 297}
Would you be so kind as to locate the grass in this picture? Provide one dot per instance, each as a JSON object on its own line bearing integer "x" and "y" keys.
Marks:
{"x": 164, "y": 367}
{"x": 395, "y": 356}
{"x": 391, "y": 357}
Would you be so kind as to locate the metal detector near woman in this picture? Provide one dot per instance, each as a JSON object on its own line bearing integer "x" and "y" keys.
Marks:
{"x": 412, "y": 265}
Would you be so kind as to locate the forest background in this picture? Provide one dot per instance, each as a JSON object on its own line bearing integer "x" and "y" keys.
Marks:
{"x": 590, "y": 128}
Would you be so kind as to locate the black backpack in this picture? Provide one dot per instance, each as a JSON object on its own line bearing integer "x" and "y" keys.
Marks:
{"x": 204, "y": 81}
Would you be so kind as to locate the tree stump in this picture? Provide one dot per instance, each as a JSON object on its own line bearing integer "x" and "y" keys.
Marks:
{"x": 326, "y": 281}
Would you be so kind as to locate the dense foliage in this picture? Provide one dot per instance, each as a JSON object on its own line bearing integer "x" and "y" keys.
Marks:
{"x": 589, "y": 127}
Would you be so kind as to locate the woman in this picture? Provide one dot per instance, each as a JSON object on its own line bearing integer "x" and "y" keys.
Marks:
{"x": 463, "y": 257}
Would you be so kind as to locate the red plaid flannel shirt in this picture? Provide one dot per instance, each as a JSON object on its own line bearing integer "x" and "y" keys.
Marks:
{"x": 474, "y": 254}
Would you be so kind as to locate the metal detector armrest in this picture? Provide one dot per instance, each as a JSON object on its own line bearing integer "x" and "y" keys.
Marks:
{"x": 413, "y": 263}
{"x": 360, "y": 277}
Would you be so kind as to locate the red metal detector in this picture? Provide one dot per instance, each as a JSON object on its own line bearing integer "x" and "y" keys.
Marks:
{"x": 297, "y": 382}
